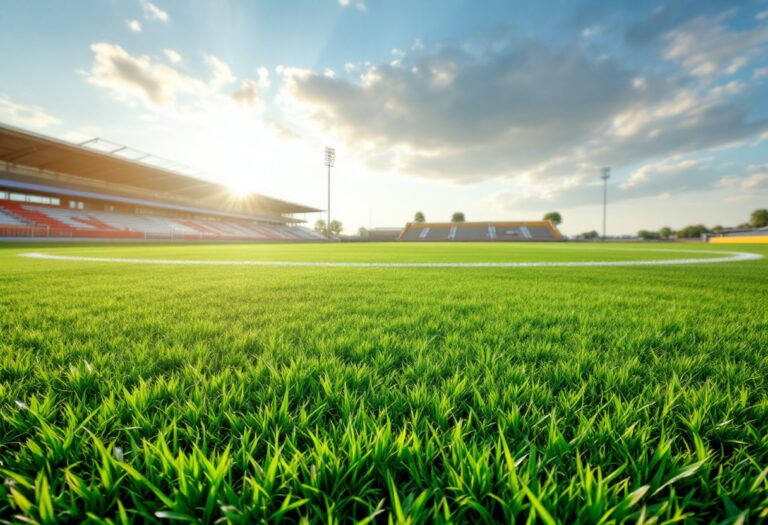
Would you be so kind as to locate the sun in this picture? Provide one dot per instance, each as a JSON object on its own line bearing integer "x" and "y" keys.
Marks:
{"x": 243, "y": 152}
{"x": 238, "y": 189}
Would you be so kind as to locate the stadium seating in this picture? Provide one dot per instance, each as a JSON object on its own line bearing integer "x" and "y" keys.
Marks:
{"x": 437, "y": 234}
{"x": 470, "y": 233}
{"x": 8, "y": 219}
{"x": 64, "y": 222}
{"x": 30, "y": 215}
{"x": 740, "y": 235}
{"x": 481, "y": 231}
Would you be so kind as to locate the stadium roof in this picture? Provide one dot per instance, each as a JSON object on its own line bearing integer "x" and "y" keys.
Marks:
{"x": 112, "y": 164}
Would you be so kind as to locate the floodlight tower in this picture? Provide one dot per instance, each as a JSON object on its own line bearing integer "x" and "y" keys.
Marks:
{"x": 605, "y": 174}
{"x": 330, "y": 160}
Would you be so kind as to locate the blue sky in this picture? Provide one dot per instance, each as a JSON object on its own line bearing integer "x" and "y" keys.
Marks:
{"x": 503, "y": 110}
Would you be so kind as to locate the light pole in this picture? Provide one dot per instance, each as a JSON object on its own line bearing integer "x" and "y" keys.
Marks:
{"x": 330, "y": 160}
{"x": 605, "y": 174}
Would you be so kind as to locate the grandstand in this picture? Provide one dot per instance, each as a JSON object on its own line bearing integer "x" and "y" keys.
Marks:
{"x": 382, "y": 234}
{"x": 98, "y": 189}
{"x": 739, "y": 236}
{"x": 481, "y": 231}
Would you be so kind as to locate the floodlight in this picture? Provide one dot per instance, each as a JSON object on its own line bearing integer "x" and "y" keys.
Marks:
{"x": 330, "y": 160}
{"x": 330, "y": 157}
{"x": 605, "y": 174}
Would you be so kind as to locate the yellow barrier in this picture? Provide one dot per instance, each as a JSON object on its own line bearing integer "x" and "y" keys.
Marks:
{"x": 747, "y": 239}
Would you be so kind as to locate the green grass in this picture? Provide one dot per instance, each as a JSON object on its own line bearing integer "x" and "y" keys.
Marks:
{"x": 133, "y": 393}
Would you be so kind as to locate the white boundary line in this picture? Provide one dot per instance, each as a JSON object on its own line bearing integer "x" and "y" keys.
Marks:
{"x": 729, "y": 257}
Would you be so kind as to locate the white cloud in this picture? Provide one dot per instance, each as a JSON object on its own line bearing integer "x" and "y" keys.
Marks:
{"x": 161, "y": 86}
{"x": 358, "y": 4}
{"x": 25, "y": 116}
{"x": 213, "y": 120}
{"x": 662, "y": 180}
{"x": 152, "y": 12}
{"x": 521, "y": 111}
{"x": 248, "y": 94}
{"x": 417, "y": 45}
{"x": 590, "y": 32}
{"x": 264, "y": 80}
{"x": 734, "y": 87}
{"x": 221, "y": 73}
{"x": 762, "y": 15}
{"x": 134, "y": 25}
{"x": 706, "y": 48}
{"x": 755, "y": 182}
{"x": 649, "y": 174}
{"x": 293, "y": 72}
{"x": 349, "y": 67}
{"x": 173, "y": 56}
{"x": 755, "y": 179}
{"x": 137, "y": 77}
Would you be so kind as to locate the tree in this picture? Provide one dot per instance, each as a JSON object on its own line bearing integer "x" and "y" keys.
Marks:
{"x": 666, "y": 232}
{"x": 647, "y": 235}
{"x": 419, "y": 217}
{"x": 759, "y": 218}
{"x": 321, "y": 226}
{"x": 554, "y": 217}
{"x": 458, "y": 216}
{"x": 590, "y": 235}
{"x": 718, "y": 229}
{"x": 336, "y": 227}
{"x": 362, "y": 232}
{"x": 692, "y": 232}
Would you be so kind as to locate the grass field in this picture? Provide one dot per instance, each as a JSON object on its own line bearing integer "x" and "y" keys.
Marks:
{"x": 134, "y": 393}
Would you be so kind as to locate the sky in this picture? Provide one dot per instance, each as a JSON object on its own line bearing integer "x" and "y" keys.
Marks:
{"x": 502, "y": 110}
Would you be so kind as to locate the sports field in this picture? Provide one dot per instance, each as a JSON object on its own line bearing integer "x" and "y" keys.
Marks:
{"x": 137, "y": 392}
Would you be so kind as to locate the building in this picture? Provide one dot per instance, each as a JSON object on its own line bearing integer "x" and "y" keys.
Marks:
{"x": 516, "y": 231}
{"x": 97, "y": 189}
{"x": 739, "y": 236}
{"x": 383, "y": 234}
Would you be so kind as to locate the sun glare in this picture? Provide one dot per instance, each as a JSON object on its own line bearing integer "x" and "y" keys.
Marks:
{"x": 238, "y": 189}
{"x": 244, "y": 155}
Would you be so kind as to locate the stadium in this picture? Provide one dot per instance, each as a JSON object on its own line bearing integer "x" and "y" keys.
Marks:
{"x": 279, "y": 337}
{"x": 51, "y": 188}
{"x": 101, "y": 190}
{"x": 213, "y": 349}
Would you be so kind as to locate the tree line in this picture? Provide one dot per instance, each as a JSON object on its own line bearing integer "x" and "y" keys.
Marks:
{"x": 758, "y": 219}
{"x": 458, "y": 216}
{"x": 322, "y": 227}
